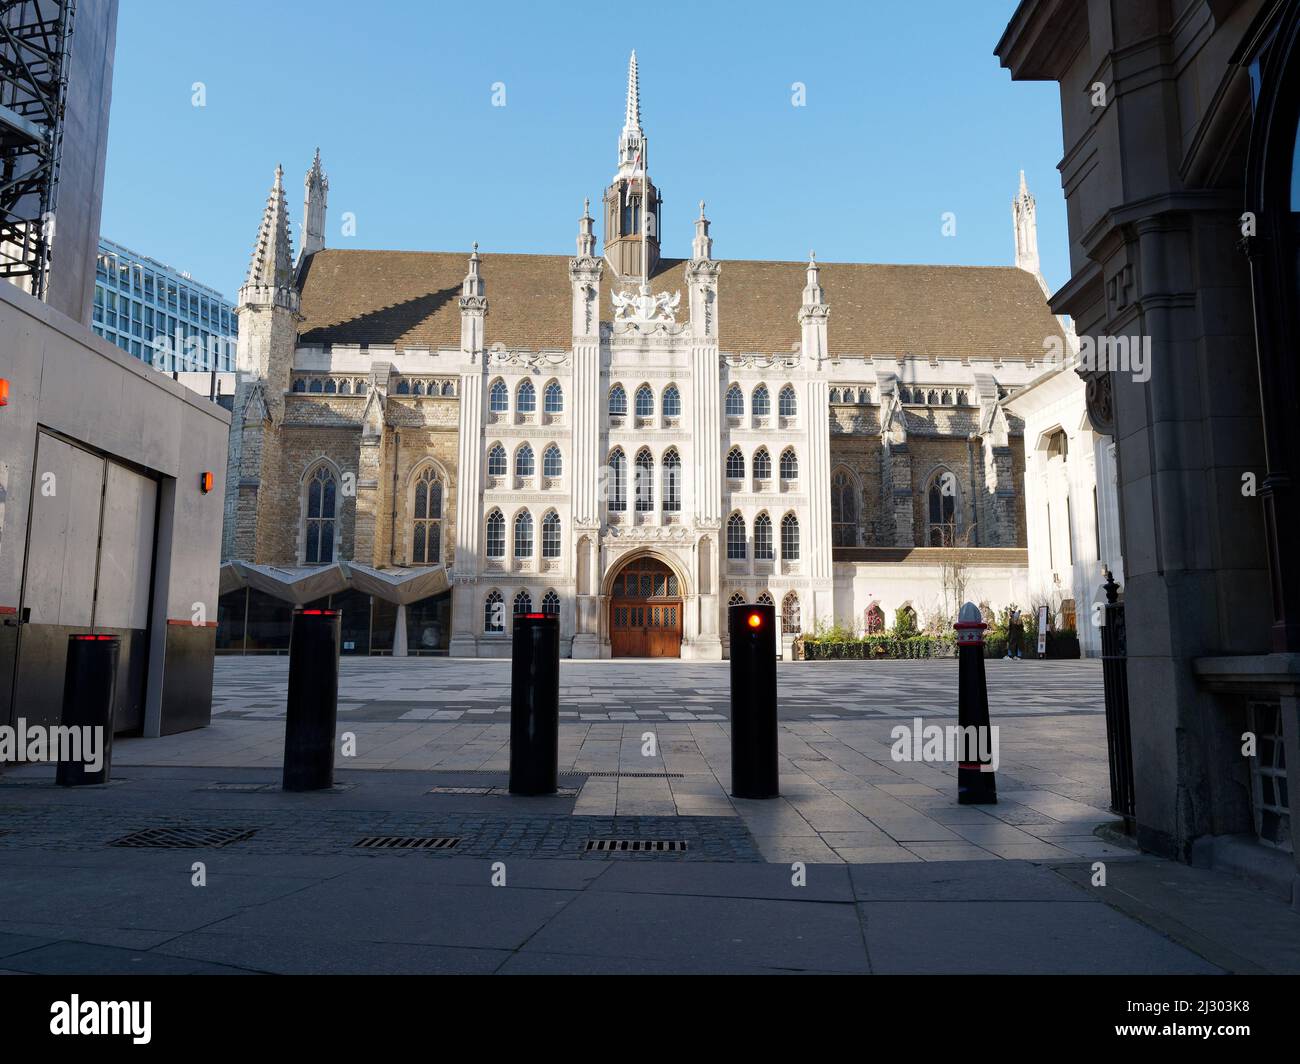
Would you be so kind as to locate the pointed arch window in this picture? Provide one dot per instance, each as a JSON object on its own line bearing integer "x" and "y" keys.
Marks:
{"x": 735, "y": 464}
{"x": 645, "y": 481}
{"x": 761, "y": 402}
{"x": 672, "y": 401}
{"x": 523, "y": 534}
{"x": 525, "y": 464}
{"x": 736, "y": 600}
{"x": 551, "y": 535}
{"x": 672, "y": 487}
{"x": 763, "y": 550}
{"x": 961, "y": 398}
{"x": 299, "y": 385}
{"x": 933, "y": 398}
{"x": 498, "y": 397}
{"x": 765, "y": 599}
{"x": 942, "y": 503}
{"x": 617, "y": 480}
{"x": 787, "y": 404}
{"x": 735, "y": 401}
{"x": 645, "y": 401}
{"x": 790, "y": 538}
{"x": 844, "y": 510}
{"x": 552, "y": 463}
{"x": 320, "y": 517}
{"x": 762, "y": 464}
{"x": 789, "y": 465}
{"x": 494, "y": 613}
{"x": 426, "y": 519}
{"x": 736, "y": 538}
{"x": 495, "y": 539}
{"x": 523, "y": 602}
{"x": 875, "y": 619}
{"x": 551, "y": 604}
{"x": 496, "y": 462}
{"x": 331, "y": 386}
{"x": 835, "y": 395}
{"x": 447, "y": 388}
{"x": 617, "y": 401}
{"x": 315, "y": 385}
{"x": 790, "y": 624}
{"x": 526, "y": 399}
{"x": 553, "y": 403}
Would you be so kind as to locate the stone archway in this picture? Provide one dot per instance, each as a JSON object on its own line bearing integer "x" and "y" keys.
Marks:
{"x": 646, "y": 609}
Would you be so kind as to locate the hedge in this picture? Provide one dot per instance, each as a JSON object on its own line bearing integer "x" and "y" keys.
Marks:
{"x": 1060, "y": 644}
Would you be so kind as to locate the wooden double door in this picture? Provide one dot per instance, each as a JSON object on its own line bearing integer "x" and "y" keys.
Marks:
{"x": 645, "y": 612}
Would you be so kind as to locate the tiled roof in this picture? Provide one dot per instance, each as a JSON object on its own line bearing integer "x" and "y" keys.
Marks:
{"x": 409, "y": 299}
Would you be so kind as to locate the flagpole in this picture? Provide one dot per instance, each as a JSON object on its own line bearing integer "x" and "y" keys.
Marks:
{"x": 645, "y": 216}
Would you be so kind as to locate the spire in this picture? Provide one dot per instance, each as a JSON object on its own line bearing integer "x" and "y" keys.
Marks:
{"x": 1024, "y": 214}
{"x": 702, "y": 245}
{"x": 813, "y": 293}
{"x": 316, "y": 186}
{"x": 472, "y": 286}
{"x": 272, "y": 262}
{"x": 629, "y": 140}
{"x": 586, "y": 236}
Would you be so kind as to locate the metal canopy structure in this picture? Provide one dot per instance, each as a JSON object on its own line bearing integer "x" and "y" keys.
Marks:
{"x": 34, "y": 40}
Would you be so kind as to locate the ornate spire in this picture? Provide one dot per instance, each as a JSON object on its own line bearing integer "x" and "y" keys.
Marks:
{"x": 633, "y": 118}
{"x": 702, "y": 245}
{"x": 629, "y": 140}
{"x": 1024, "y": 214}
{"x": 316, "y": 186}
{"x": 586, "y": 235}
{"x": 472, "y": 286}
{"x": 813, "y": 293}
{"x": 272, "y": 263}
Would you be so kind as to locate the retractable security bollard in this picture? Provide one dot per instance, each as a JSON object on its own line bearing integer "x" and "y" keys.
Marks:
{"x": 753, "y": 701}
{"x": 313, "y": 700}
{"x": 89, "y": 687}
{"x": 976, "y": 783}
{"x": 534, "y": 704}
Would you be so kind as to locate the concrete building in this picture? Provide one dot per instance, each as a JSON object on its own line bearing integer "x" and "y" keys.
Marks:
{"x": 1180, "y": 124}
{"x": 434, "y": 440}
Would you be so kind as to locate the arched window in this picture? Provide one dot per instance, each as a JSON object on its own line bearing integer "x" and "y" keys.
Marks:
{"x": 617, "y": 480}
{"x": 551, "y": 535}
{"x": 496, "y": 460}
{"x": 961, "y": 398}
{"x": 417, "y": 388}
{"x": 321, "y": 500}
{"x": 672, "y": 488}
{"x": 933, "y": 398}
{"x": 314, "y": 385}
{"x": 942, "y": 498}
{"x": 526, "y": 399}
{"x": 946, "y": 398}
{"x": 551, "y": 604}
{"x": 904, "y": 395}
{"x": 864, "y": 395}
{"x": 426, "y": 519}
{"x": 644, "y": 488}
{"x": 495, "y": 539}
{"x": 494, "y": 613}
{"x": 553, "y": 402}
{"x": 523, "y": 534}
{"x": 299, "y": 385}
{"x": 765, "y": 599}
{"x": 499, "y": 397}
{"x": 361, "y": 387}
{"x": 736, "y": 538}
{"x": 761, "y": 403}
{"x": 790, "y": 615}
{"x": 763, "y": 538}
{"x": 552, "y": 463}
{"x": 789, "y": 465}
{"x": 835, "y": 395}
{"x": 736, "y": 600}
{"x": 523, "y": 602}
{"x": 345, "y": 387}
{"x": 524, "y": 463}
{"x": 645, "y": 401}
{"x": 735, "y": 464}
{"x": 762, "y": 464}
{"x": 447, "y": 388}
{"x": 844, "y": 510}
{"x": 617, "y": 401}
{"x": 787, "y": 404}
{"x": 790, "y": 538}
{"x": 672, "y": 401}
{"x": 875, "y": 619}
{"x": 735, "y": 401}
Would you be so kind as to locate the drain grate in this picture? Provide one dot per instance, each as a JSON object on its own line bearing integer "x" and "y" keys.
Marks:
{"x": 498, "y": 792}
{"x": 406, "y": 842}
{"x": 631, "y": 775}
{"x": 636, "y": 845}
{"x": 184, "y": 838}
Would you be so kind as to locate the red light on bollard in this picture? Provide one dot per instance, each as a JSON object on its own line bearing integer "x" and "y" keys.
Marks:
{"x": 755, "y": 620}
{"x": 4, "y": 392}
{"x": 205, "y": 482}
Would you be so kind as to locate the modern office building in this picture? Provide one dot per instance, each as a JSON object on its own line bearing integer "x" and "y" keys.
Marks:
{"x": 160, "y": 315}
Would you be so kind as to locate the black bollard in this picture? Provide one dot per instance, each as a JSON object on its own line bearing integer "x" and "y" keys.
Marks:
{"x": 534, "y": 704}
{"x": 89, "y": 686}
{"x": 754, "y": 771}
{"x": 313, "y": 707}
{"x": 975, "y": 786}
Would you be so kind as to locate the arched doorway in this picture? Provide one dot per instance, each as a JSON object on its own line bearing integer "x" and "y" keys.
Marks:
{"x": 645, "y": 611}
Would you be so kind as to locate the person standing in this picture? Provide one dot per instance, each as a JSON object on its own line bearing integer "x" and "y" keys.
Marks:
{"x": 1015, "y": 634}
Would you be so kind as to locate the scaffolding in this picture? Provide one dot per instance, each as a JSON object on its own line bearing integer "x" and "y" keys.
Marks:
{"x": 34, "y": 57}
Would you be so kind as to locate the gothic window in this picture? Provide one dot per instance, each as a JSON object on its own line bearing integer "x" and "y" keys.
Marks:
{"x": 864, "y": 395}
{"x": 524, "y": 463}
{"x": 617, "y": 401}
{"x": 315, "y": 385}
{"x": 496, "y": 535}
{"x": 499, "y": 397}
{"x": 523, "y": 534}
{"x": 496, "y": 460}
{"x": 875, "y": 619}
{"x": 790, "y": 614}
{"x": 789, "y": 465}
{"x": 494, "y": 613}
{"x": 672, "y": 474}
{"x": 447, "y": 388}
{"x": 618, "y": 480}
{"x": 904, "y": 395}
{"x": 417, "y": 388}
{"x": 553, "y": 403}
{"x": 523, "y": 603}
{"x": 835, "y": 395}
{"x": 345, "y": 387}
{"x": 942, "y": 498}
{"x": 933, "y": 398}
{"x": 761, "y": 403}
{"x": 645, "y": 481}
{"x": 361, "y": 387}
{"x": 961, "y": 398}
{"x": 762, "y": 464}
{"x": 736, "y": 600}
{"x": 526, "y": 400}
{"x": 551, "y": 535}
{"x": 299, "y": 385}
{"x": 844, "y": 510}
{"x": 735, "y": 538}
{"x": 787, "y": 405}
{"x": 551, "y": 604}
{"x": 735, "y": 464}
{"x": 735, "y": 401}
{"x": 552, "y": 463}
{"x": 322, "y": 492}
{"x": 765, "y": 599}
{"x": 426, "y": 519}
{"x": 790, "y": 538}
{"x": 763, "y": 538}
{"x": 672, "y": 401}
{"x": 645, "y": 401}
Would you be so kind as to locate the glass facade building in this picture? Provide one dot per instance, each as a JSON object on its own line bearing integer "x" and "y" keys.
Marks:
{"x": 160, "y": 315}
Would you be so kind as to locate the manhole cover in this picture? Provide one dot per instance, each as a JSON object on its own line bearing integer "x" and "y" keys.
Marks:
{"x": 406, "y": 842}
{"x": 184, "y": 838}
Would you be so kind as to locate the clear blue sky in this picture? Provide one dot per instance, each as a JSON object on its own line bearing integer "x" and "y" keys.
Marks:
{"x": 908, "y": 115}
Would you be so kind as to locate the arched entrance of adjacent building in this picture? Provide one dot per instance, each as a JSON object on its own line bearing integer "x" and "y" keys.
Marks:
{"x": 645, "y": 611}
